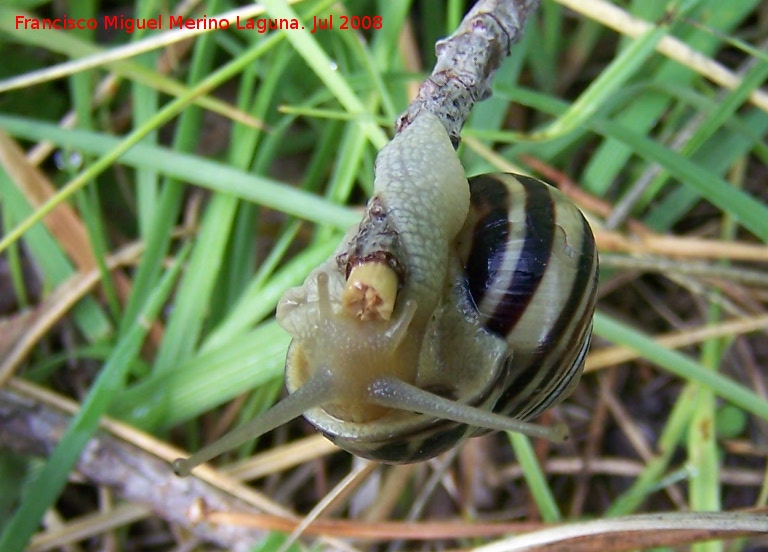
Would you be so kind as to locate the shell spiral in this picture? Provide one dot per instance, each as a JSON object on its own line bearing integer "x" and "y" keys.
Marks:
{"x": 455, "y": 308}
{"x": 532, "y": 272}
{"x": 492, "y": 308}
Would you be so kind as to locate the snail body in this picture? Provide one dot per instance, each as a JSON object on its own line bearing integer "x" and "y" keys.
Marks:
{"x": 456, "y": 307}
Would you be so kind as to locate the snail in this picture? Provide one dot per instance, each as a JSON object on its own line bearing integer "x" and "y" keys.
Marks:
{"x": 457, "y": 307}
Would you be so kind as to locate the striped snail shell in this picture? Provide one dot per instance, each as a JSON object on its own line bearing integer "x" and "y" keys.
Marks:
{"x": 457, "y": 307}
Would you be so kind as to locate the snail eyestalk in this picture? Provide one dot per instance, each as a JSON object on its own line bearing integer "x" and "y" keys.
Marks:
{"x": 396, "y": 394}
{"x": 317, "y": 391}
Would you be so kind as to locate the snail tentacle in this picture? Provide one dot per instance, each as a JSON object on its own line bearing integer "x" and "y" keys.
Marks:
{"x": 455, "y": 308}
{"x": 317, "y": 391}
{"x": 397, "y": 394}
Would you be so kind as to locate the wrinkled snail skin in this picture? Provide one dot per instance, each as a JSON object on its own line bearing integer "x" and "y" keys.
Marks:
{"x": 494, "y": 309}
{"x": 424, "y": 195}
{"x": 455, "y": 308}
{"x": 528, "y": 273}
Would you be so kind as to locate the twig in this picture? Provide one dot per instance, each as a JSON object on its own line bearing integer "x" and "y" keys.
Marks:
{"x": 637, "y": 531}
{"x": 33, "y": 428}
{"x": 466, "y": 62}
{"x": 686, "y": 266}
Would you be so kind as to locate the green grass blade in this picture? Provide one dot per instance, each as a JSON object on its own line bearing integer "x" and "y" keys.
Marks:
{"x": 54, "y": 264}
{"x": 680, "y": 365}
{"x": 212, "y": 175}
{"x": 43, "y": 490}
{"x": 306, "y": 45}
{"x": 207, "y": 380}
{"x": 534, "y": 477}
{"x": 650, "y": 478}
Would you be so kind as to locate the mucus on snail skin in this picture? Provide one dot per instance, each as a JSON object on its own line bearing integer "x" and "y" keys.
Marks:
{"x": 414, "y": 174}
{"x": 420, "y": 183}
{"x": 401, "y": 349}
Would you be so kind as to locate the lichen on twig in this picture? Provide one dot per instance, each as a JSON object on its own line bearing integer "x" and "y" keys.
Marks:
{"x": 466, "y": 62}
